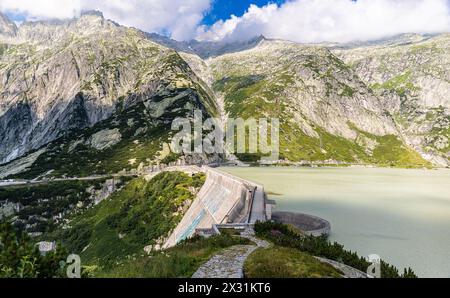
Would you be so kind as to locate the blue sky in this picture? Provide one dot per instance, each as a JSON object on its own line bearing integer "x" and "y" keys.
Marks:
{"x": 223, "y": 9}
{"x": 17, "y": 17}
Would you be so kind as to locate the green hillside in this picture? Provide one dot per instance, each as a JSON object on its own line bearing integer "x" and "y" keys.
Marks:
{"x": 141, "y": 214}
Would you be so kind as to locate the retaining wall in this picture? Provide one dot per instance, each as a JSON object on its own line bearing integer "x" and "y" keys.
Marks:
{"x": 309, "y": 224}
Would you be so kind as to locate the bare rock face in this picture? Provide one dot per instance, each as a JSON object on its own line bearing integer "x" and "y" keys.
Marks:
{"x": 20, "y": 165}
{"x": 207, "y": 49}
{"x": 61, "y": 76}
{"x": 105, "y": 139}
{"x": 412, "y": 77}
{"x": 45, "y": 84}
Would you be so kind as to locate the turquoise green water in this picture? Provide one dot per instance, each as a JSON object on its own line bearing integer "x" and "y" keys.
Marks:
{"x": 401, "y": 215}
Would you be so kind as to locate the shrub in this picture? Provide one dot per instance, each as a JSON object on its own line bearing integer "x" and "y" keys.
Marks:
{"x": 282, "y": 235}
{"x": 149, "y": 209}
{"x": 180, "y": 261}
{"x": 283, "y": 262}
{"x": 20, "y": 258}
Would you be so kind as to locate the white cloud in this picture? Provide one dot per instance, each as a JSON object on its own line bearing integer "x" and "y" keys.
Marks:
{"x": 39, "y": 9}
{"x": 334, "y": 20}
{"x": 179, "y": 18}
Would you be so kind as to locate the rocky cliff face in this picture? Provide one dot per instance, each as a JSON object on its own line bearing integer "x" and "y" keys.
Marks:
{"x": 61, "y": 77}
{"x": 414, "y": 77}
{"x": 207, "y": 49}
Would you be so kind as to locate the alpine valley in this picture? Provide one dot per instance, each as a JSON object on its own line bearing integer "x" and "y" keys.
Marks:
{"x": 96, "y": 97}
{"x": 87, "y": 105}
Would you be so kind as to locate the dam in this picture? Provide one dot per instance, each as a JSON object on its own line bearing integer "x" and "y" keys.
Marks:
{"x": 224, "y": 200}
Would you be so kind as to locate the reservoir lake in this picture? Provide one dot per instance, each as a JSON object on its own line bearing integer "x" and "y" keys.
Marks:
{"x": 401, "y": 215}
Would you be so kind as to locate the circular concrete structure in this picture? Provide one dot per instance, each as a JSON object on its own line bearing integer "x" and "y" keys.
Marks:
{"x": 309, "y": 224}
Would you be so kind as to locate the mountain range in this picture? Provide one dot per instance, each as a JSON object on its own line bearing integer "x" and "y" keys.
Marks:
{"x": 88, "y": 96}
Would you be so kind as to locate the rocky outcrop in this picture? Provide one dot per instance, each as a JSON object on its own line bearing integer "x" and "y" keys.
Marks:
{"x": 8, "y": 209}
{"x": 20, "y": 165}
{"x": 105, "y": 139}
{"x": 108, "y": 188}
{"x": 347, "y": 271}
{"x": 207, "y": 49}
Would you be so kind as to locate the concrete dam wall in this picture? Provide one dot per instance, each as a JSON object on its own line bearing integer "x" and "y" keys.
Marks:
{"x": 223, "y": 199}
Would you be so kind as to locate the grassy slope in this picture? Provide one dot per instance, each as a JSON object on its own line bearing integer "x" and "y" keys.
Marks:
{"x": 142, "y": 212}
{"x": 40, "y": 203}
{"x": 3, "y": 48}
{"x": 390, "y": 151}
{"x": 256, "y": 96}
{"x": 400, "y": 84}
{"x": 282, "y": 262}
{"x": 121, "y": 226}
{"x": 406, "y": 66}
{"x": 180, "y": 261}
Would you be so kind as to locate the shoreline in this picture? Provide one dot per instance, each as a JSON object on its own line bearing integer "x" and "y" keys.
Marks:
{"x": 327, "y": 166}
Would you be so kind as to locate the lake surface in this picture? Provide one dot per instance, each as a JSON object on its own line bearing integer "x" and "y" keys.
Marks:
{"x": 401, "y": 215}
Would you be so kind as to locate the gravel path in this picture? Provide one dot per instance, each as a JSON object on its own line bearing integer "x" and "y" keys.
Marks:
{"x": 230, "y": 262}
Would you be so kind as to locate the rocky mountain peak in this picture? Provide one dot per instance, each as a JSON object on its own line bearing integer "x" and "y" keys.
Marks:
{"x": 48, "y": 32}
{"x": 92, "y": 21}
{"x": 92, "y": 13}
{"x": 208, "y": 49}
{"x": 7, "y": 27}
